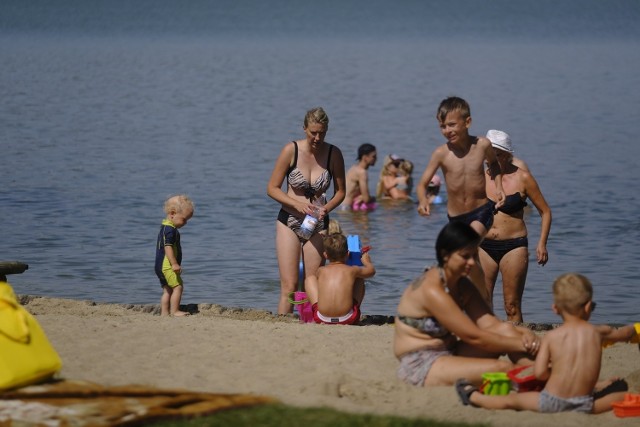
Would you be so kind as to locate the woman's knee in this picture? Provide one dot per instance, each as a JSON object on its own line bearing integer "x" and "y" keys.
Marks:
{"x": 287, "y": 287}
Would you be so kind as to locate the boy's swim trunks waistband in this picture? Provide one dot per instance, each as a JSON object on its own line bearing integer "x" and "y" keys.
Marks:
{"x": 483, "y": 214}
{"x": 352, "y": 317}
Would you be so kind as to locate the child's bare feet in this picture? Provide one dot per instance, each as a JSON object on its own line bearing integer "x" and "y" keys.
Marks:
{"x": 180, "y": 313}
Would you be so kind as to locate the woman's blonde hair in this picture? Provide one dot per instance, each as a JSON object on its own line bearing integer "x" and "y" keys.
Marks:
{"x": 316, "y": 115}
{"x": 386, "y": 162}
{"x": 406, "y": 167}
{"x": 334, "y": 227}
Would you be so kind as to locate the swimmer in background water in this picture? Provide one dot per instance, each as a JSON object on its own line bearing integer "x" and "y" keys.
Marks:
{"x": 357, "y": 181}
{"x": 404, "y": 179}
{"x": 433, "y": 191}
{"x": 390, "y": 185}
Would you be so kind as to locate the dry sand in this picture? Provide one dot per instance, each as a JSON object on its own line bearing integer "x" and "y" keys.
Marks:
{"x": 221, "y": 350}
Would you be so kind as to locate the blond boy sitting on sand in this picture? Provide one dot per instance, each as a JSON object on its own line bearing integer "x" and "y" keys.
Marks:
{"x": 568, "y": 360}
{"x": 337, "y": 289}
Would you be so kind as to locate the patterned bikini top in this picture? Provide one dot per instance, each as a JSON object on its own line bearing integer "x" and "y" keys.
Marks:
{"x": 429, "y": 324}
{"x": 297, "y": 181}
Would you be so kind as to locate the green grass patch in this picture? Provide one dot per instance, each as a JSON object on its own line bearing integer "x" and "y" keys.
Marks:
{"x": 278, "y": 415}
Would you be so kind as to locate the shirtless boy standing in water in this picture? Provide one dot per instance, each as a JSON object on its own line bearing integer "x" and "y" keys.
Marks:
{"x": 357, "y": 180}
{"x": 462, "y": 159}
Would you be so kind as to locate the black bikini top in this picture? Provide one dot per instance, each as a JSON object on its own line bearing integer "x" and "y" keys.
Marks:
{"x": 513, "y": 203}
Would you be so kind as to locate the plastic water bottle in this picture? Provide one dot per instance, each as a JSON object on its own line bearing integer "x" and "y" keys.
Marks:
{"x": 311, "y": 220}
{"x": 307, "y": 227}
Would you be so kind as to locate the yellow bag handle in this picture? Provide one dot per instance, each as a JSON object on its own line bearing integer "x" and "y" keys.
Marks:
{"x": 13, "y": 321}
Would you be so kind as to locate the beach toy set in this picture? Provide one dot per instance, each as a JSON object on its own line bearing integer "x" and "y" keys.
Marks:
{"x": 520, "y": 379}
{"x": 629, "y": 407}
{"x": 495, "y": 384}
{"x": 355, "y": 250}
{"x": 523, "y": 379}
{"x": 301, "y": 302}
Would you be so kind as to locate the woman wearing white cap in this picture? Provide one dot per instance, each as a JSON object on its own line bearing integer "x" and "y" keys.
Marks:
{"x": 505, "y": 247}
{"x": 433, "y": 191}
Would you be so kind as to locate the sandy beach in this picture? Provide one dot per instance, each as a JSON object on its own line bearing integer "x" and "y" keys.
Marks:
{"x": 224, "y": 350}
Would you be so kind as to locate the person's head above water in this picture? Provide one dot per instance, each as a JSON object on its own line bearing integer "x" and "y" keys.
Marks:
{"x": 365, "y": 149}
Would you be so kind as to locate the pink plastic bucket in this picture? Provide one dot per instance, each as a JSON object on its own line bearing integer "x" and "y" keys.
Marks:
{"x": 303, "y": 306}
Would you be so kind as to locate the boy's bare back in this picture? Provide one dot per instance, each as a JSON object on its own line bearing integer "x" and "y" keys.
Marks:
{"x": 340, "y": 285}
{"x": 335, "y": 288}
{"x": 575, "y": 352}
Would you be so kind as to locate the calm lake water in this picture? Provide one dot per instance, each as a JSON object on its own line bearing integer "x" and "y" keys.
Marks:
{"x": 109, "y": 107}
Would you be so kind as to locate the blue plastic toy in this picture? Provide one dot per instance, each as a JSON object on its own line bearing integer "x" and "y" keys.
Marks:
{"x": 355, "y": 250}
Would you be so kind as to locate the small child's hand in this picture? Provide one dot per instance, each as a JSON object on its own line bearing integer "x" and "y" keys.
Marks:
{"x": 176, "y": 268}
{"x": 366, "y": 257}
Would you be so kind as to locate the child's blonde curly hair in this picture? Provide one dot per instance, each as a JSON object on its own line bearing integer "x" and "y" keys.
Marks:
{"x": 178, "y": 203}
{"x": 571, "y": 291}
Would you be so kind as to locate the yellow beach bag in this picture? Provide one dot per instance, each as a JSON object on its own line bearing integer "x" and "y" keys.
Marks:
{"x": 26, "y": 356}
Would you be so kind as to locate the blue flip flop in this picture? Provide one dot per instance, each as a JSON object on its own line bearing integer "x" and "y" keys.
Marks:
{"x": 465, "y": 389}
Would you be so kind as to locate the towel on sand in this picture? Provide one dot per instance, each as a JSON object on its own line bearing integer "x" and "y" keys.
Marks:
{"x": 82, "y": 403}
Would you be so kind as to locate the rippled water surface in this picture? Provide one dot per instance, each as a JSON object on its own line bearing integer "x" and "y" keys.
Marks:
{"x": 106, "y": 111}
